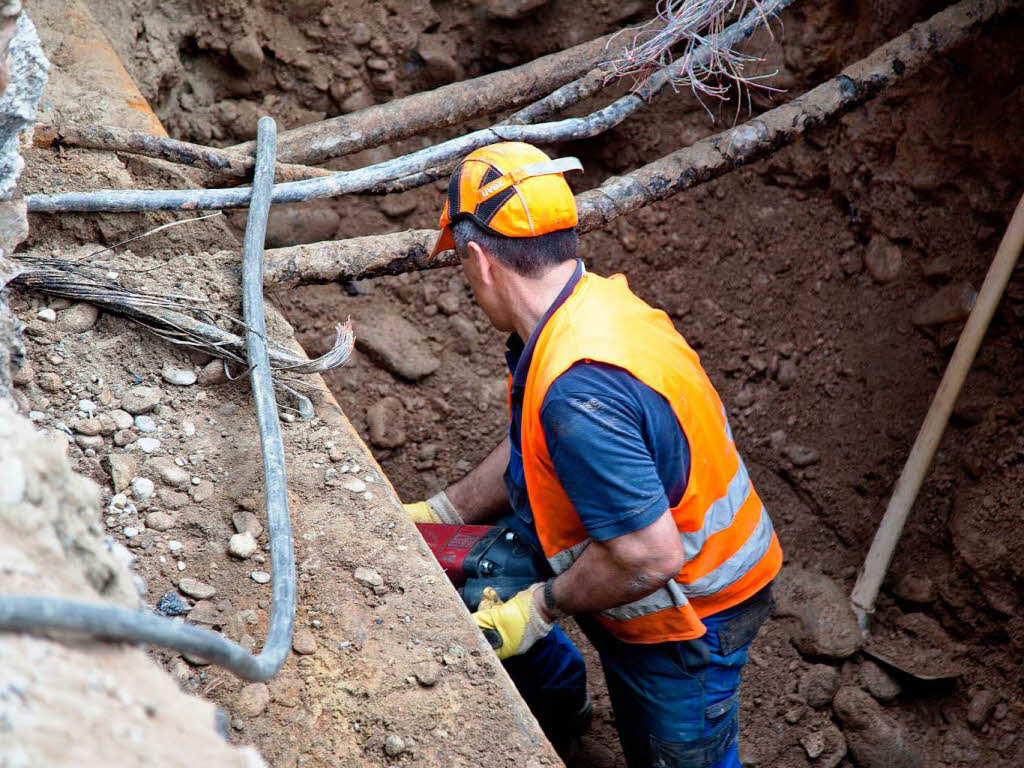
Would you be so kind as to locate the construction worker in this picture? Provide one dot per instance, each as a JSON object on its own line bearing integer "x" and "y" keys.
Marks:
{"x": 620, "y": 465}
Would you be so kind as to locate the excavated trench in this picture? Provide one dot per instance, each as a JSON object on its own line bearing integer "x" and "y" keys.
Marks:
{"x": 797, "y": 280}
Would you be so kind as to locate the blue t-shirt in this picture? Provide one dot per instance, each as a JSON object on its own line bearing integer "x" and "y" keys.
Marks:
{"x": 615, "y": 443}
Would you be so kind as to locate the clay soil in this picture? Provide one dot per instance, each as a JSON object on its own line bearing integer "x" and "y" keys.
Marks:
{"x": 770, "y": 272}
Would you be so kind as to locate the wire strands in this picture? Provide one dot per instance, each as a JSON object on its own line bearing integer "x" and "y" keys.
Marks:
{"x": 369, "y": 177}
{"x": 42, "y": 614}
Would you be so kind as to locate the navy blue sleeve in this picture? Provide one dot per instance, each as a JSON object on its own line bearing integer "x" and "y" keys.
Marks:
{"x": 616, "y": 446}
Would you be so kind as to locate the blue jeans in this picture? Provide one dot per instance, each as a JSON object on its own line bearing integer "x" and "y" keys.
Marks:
{"x": 676, "y": 704}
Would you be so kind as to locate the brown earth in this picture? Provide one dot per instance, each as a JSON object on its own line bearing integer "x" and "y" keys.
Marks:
{"x": 783, "y": 276}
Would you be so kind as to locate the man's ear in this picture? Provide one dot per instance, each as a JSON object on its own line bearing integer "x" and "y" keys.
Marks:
{"x": 482, "y": 261}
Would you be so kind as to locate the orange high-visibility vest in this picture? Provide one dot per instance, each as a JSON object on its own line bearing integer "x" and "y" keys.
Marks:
{"x": 731, "y": 549}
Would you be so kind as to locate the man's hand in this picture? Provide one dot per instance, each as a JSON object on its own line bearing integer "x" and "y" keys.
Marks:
{"x": 513, "y": 627}
{"x": 437, "y": 509}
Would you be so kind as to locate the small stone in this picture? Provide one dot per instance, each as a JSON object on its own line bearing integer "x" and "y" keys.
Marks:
{"x": 303, "y": 642}
{"x": 205, "y": 612}
{"x": 745, "y": 398}
{"x": 50, "y": 382}
{"x": 122, "y": 469}
{"x": 950, "y": 304}
{"x": 212, "y": 373}
{"x": 242, "y": 545}
{"x": 23, "y": 375}
{"x": 396, "y": 345}
{"x": 247, "y": 53}
{"x": 173, "y": 499}
{"x": 513, "y": 9}
{"x": 247, "y": 522}
{"x": 145, "y": 424}
{"x": 79, "y": 318}
{"x": 86, "y": 426}
{"x": 141, "y": 399}
{"x": 202, "y": 492}
{"x": 938, "y": 266}
{"x": 361, "y": 34}
{"x": 181, "y": 565}
{"x": 878, "y": 682}
{"x": 188, "y": 429}
{"x": 814, "y": 744}
{"x": 253, "y": 699}
{"x": 181, "y": 377}
{"x": 197, "y": 589}
{"x": 124, "y": 437}
{"x": 448, "y": 303}
{"x": 980, "y": 707}
{"x": 175, "y": 546}
{"x": 385, "y": 421}
{"x": 260, "y": 577}
{"x": 427, "y": 673}
{"x": 368, "y": 577}
{"x": 394, "y": 745}
{"x": 142, "y": 488}
{"x": 801, "y": 455}
{"x": 121, "y": 419}
{"x": 171, "y": 474}
{"x": 787, "y": 373}
{"x": 173, "y": 604}
{"x": 883, "y": 259}
{"x": 159, "y": 521}
{"x": 819, "y": 684}
{"x": 90, "y": 441}
{"x": 148, "y": 444}
{"x": 355, "y": 485}
{"x": 47, "y": 315}
{"x": 875, "y": 739}
{"x": 130, "y": 532}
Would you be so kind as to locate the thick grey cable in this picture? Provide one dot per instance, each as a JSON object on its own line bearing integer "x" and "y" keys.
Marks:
{"x": 43, "y": 614}
{"x": 364, "y": 179}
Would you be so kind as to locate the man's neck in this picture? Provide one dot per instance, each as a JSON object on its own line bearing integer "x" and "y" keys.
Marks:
{"x": 533, "y": 296}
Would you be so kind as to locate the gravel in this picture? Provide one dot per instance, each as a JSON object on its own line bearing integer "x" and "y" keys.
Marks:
{"x": 173, "y": 604}
{"x": 303, "y": 642}
{"x": 197, "y": 589}
{"x": 47, "y": 315}
{"x": 181, "y": 377}
{"x": 368, "y": 577}
{"x": 260, "y": 577}
{"x": 148, "y": 444}
{"x": 142, "y": 488}
{"x": 140, "y": 399}
{"x": 242, "y": 545}
{"x": 145, "y": 423}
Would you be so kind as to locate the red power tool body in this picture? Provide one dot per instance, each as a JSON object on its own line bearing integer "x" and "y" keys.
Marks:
{"x": 478, "y": 556}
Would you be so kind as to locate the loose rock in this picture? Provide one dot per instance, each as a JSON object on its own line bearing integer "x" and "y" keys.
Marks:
{"x": 181, "y": 377}
{"x": 86, "y": 426}
{"x": 260, "y": 577}
{"x": 394, "y": 745}
{"x": 875, "y": 739}
{"x": 148, "y": 444}
{"x": 368, "y": 577}
{"x": 140, "y": 399}
{"x": 980, "y": 707}
{"x": 385, "y": 420}
{"x": 212, "y": 373}
{"x": 950, "y": 304}
{"x": 50, "y": 382}
{"x": 303, "y": 642}
{"x": 787, "y": 373}
{"x": 173, "y": 604}
{"x": 202, "y": 492}
{"x": 197, "y": 589}
{"x": 878, "y": 682}
{"x": 513, "y": 9}
{"x": 145, "y": 424}
{"x": 242, "y": 545}
{"x": 427, "y": 673}
{"x": 47, "y": 315}
{"x": 247, "y": 522}
{"x": 253, "y": 699}
{"x": 247, "y": 53}
{"x": 819, "y": 684}
{"x": 829, "y": 626}
{"x": 827, "y": 746}
{"x": 915, "y": 589}
{"x": 355, "y": 485}
{"x": 142, "y": 488}
{"x": 122, "y": 469}
{"x": 883, "y": 259}
{"x": 801, "y": 455}
{"x": 397, "y": 346}
{"x": 171, "y": 474}
{"x": 78, "y": 318}
{"x": 159, "y": 521}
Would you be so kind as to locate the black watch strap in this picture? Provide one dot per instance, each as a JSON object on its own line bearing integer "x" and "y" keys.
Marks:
{"x": 554, "y": 611}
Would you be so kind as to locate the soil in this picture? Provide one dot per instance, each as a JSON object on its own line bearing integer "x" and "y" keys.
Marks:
{"x": 796, "y": 279}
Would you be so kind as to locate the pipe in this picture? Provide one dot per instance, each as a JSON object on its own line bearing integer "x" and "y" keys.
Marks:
{"x": 41, "y": 614}
{"x": 364, "y": 179}
{"x": 876, "y": 564}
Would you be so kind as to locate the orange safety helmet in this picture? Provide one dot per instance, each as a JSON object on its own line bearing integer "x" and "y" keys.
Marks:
{"x": 510, "y": 189}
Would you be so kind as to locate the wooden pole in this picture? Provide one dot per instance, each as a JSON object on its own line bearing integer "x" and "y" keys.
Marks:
{"x": 876, "y": 564}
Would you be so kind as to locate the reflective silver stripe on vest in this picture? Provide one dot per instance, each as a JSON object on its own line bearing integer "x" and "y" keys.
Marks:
{"x": 561, "y": 561}
{"x": 741, "y": 561}
{"x": 669, "y": 596}
{"x": 720, "y": 514}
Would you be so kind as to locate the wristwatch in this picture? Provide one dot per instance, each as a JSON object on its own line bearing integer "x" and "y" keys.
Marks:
{"x": 554, "y": 611}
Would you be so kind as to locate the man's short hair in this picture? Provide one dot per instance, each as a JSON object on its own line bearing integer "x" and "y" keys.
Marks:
{"x": 528, "y": 256}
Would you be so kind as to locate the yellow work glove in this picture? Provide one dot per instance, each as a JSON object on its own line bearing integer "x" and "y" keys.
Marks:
{"x": 437, "y": 509}
{"x": 513, "y": 627}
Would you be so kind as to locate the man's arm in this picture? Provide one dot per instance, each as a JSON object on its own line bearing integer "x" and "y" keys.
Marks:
{"x": 618, "y": 571}
{"x": 481, "y": 496}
